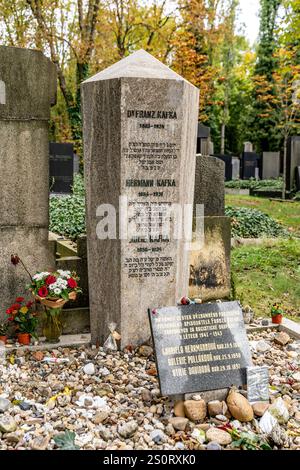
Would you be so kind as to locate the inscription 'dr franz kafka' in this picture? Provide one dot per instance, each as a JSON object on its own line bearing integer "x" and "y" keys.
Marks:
{"x": 150, "y": 114}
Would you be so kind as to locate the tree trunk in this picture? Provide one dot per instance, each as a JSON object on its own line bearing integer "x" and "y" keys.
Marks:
{"x": 223, "y": 127}
{"x": 284, "y": 166}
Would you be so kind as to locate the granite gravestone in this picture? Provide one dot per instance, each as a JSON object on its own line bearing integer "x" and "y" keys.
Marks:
{"x": 200, "y": 347}
{"x": 227, "y": 159}
{"x": 298, "y": 178}
{"x": 28, "y": 90}
{"x": 250, "y": 161}
{"x": 235, "y": 168}
{"x": 210, "y": 264}
{"x": 293, "y": 160}
{"x": 61, "y": 167}
{"x": 270, "y": 165}
{"x": 140, "y": 131}
{"x": 203, "y": 139}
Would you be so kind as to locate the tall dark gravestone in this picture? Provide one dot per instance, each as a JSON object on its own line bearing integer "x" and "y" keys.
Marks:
{"x": 293, "y": 160}
{"x": 61, "y": 167}
{"x": 200, "y": 347}
{"x": 140, "y": 131}
{"x": 250, "y": 161}
{"x": 227, "y": 159}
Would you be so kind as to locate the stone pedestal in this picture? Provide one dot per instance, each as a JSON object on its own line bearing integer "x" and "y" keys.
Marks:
{"x": 28, "y": 90}
{"x": 140, "y": 129}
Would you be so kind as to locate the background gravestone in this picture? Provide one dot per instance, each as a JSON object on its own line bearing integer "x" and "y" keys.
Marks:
{"x": 235, "y": 168}
{"x": 61, "y": 167}
{"x": 204, "y": 144}
{"x": 210, "y": 265}
{"x": 293, "y": 160}
{"x": 140, "y": 126}
{"x": 30, "y": 89}
{"x": 250, "y": 161}
{"x": 227, "y": 159}
{"x": 270, "y": 165}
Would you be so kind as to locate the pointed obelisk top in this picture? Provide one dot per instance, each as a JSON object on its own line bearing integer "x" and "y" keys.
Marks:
{"x": 140, "y": 64}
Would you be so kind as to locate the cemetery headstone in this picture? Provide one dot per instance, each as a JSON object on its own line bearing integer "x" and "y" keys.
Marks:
{"x": 235, "y": 168}
{"x": 140, "y": 131}
{"x": 227, "y": 159}
{"x": 250, "y": 161}
{"x": 203, "y": 139}
{"x": 293, "y": 160}
{"x": 209, "y": 185}
{"x": 248, "y": 147}
{"x": 200, "y": 347}
{"x": 210, "y": 264}
{"x": 28, "y": 92}
{"x": 270, "y": 165}
{"x": 61, "y": 167}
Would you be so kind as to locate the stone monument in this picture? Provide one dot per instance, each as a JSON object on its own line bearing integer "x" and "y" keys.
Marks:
{"x": 28, "y": 89}
{"x": 270, "y": 165}
{"x": 140, "y": 130}
{"x": 210, "y": 264}
{"x": 293, "y": 161}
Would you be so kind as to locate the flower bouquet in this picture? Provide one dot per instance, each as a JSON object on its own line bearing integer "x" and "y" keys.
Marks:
{"x": 24, "y": 319}
{"x": 53, "y": 291}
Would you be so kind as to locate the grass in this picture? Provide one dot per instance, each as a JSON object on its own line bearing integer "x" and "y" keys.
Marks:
{"x": 286, "y": 213}
{"x": 267, "y": 274}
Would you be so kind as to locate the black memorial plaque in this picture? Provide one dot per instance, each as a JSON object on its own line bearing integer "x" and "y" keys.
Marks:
{"x": 200, "y": 347}
{"x": 61, "y": 167}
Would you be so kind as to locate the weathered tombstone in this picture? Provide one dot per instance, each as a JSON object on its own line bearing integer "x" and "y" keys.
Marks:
{"x": 29, "y": 90}
{"x": 250, "y": 161}
{"x": 61, "y": 167}
{"x": 293, "y": 160}
{"x": 210, "y": 264}
{"x": 200, "y": 347}
{"x": 140, "y": 130}
{"x": 248, "y": 147}
{"x": 227, "y": 159}
{"x": 209, "y": 185}
{"x": 235, "y": 168}
{"x": 203, "y": 139}
{"x": 270, "y": 165}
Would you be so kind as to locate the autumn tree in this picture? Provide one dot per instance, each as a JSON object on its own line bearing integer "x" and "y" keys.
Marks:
{"x": 263, "y": 125}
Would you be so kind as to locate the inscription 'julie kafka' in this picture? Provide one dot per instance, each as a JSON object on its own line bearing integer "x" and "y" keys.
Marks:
{"x": 150, "y": 114}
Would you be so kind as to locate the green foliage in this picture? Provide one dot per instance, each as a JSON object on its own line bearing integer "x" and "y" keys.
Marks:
{"x": 251, "y": 223}
{"x": 66, "y": 441}
{"x": 252, "y": 183}
{"x": 249, "y": 441}
{"x": 266, "y": 274}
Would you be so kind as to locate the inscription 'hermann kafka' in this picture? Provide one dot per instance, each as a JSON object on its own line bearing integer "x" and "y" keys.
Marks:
{"x": 135, "y": 113}
{"x": 150, "y": 183}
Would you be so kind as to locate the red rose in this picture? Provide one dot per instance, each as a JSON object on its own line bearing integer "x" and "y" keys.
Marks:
{"x": 19, "y": 299}
{"x": 50, "y": 280}
{"x": 16, "y": 307}
{"x": 10, "y": 318}
{"x": 15, "y": 259}
{"x": 29, "y": 304}
{"x": 43, "y": 291}
{"x": 72, "y": 283}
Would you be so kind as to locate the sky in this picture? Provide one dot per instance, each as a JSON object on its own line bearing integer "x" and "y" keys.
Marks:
{"x": 249, "y": 11}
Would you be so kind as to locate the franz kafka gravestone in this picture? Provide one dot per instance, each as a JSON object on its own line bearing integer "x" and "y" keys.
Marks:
{"x": 200, "y": 347}
{"x": 140, "y": 128}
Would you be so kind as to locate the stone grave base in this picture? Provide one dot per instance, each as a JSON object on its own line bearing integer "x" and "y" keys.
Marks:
{"x": 210, "y": 266}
